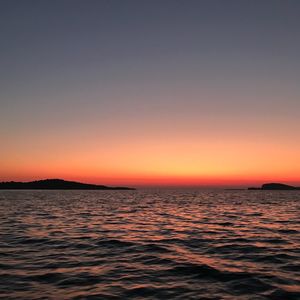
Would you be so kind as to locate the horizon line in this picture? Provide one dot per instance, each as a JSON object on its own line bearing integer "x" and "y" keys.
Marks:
{"x": 174, "y": 184}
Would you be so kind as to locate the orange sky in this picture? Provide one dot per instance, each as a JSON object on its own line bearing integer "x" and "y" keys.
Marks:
{"x": 172, "y": 160}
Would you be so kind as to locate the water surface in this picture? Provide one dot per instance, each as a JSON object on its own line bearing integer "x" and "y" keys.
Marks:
{"x": 150, "y": 244}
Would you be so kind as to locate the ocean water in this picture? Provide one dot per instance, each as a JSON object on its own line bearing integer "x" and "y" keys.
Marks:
{"x": 150, "y": 244}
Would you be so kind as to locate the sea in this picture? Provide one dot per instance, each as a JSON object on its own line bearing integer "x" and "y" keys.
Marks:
{"x": 150, "y": 244}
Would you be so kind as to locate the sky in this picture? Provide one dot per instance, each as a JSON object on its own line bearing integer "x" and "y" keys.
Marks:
{"x": 150, "y": 92}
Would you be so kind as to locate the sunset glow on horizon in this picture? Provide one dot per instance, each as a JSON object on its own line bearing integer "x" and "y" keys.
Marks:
{"x": 147, "y": 93}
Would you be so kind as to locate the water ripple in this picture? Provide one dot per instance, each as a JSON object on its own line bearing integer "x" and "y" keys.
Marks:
{"x": 159, "y": 244}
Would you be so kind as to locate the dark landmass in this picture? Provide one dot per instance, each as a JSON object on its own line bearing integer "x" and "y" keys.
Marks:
{"x": 275, "y": 186}
{"x": 56, "y": 184}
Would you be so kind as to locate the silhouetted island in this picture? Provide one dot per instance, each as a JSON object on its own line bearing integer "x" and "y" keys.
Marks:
{"x": 56, "y": 184}
{"x": 275, "y": 186}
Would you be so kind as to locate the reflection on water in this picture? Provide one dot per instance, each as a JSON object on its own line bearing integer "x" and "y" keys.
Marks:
{"x": 164, "y": 244}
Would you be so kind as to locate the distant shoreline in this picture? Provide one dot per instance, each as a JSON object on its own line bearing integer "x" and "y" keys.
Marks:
{"x": 61, "y": 184}
{"x": 275, "y": 186}
{"x": 268, "y": 187}
{"x": 56, "y": 184}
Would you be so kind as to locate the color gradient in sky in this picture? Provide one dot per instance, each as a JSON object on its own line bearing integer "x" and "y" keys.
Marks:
{"x": 150, "y": 92}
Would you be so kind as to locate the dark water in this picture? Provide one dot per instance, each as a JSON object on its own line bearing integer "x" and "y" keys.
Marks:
{"x": 180, "y": 244}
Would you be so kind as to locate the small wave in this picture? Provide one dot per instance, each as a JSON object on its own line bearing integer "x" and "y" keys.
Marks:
{"x": 114, "y": 243}
{"x": 152, "y": 247}
{"x": 237, "y": 248}
{"x": 288, "y": 231}
{"x": 46, "y": 277}
{"x": 281, "y": 294}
